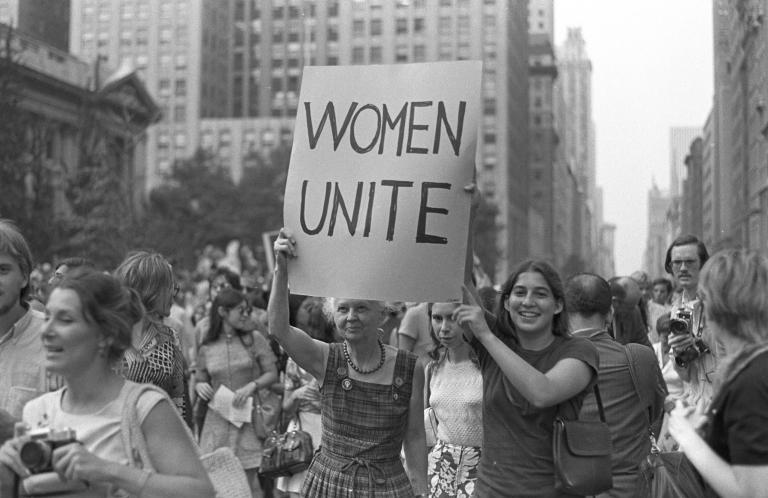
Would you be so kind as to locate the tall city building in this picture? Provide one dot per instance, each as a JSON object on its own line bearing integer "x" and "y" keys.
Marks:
{"x": 180, "y": 49}
{"x": 692, "y": 207}
{"x": 741, "y": 121}
{"x": 578, "y": 132}
{"x": 680, "y": 139}
{"x": 659, "y": 203}
{"x": 43, "y": 20}
{"x": 551, "y": 201}
{"x": 576, "y": 84}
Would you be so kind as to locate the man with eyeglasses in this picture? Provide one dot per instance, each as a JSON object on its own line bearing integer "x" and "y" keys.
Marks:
{"x": 692, "y": 346}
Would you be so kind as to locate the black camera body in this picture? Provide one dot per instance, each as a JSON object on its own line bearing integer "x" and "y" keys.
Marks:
{"x": 36, "y": 451}
{"x": 681, "y": 323}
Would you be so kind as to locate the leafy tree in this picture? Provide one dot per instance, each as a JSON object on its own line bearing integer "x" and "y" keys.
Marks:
{"x": 199, "y": 204}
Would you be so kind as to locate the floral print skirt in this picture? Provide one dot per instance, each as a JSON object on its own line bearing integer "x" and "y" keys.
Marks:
{"x": 452, "y": 470}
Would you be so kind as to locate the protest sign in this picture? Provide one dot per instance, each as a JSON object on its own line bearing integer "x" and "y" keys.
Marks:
{"x": 375, "y": 191}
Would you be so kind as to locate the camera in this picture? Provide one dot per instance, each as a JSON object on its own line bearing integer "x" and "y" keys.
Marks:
{"x": 36, "y": 451}
{"x": 681, "y": 323}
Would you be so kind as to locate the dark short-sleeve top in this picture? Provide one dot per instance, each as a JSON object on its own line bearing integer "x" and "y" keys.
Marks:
{"x": 517, "y": 437}
{"x": 738, "y": 429}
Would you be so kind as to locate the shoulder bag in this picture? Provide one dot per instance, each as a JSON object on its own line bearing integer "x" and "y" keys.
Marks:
{"x": 286, "y": 454}
{"x": 222, "y": 466}
{"x": 582, "y": 454}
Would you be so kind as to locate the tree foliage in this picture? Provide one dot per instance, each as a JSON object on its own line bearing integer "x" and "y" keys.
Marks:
{"x": 200, "y": 204}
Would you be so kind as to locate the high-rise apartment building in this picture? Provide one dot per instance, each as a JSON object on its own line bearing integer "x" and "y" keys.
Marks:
{"x": 180, "y": 48}
{"x": 575, "y": 71}
{"x": 43, "y": 20}
{"x": 680, "y": 139}
{"x": 691, "y": 203}
{"x": 659, "y": 203}
{"x": 578, "y": 133}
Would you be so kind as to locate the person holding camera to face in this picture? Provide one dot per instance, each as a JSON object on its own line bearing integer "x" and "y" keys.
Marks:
{"x": 691, "y": 344}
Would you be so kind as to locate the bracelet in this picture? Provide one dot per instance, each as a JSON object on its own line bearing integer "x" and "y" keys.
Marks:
{"x": 145, "y": 475}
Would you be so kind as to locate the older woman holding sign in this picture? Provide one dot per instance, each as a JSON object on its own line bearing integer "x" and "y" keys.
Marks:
{"x": 372, "y": 403}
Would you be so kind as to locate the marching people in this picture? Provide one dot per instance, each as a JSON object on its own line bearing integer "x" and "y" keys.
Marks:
{"x": 630, "y": 381}
{"x": 732, "y": 455}
{"x": 533, "y": 371}
{"x": 22, "y": 371}
{"x": 242, "y": 362}
{"x": 86, "y": 331}
{"x": 454, "y": 392}
{"x": 372, "y": 397}
{"x": 155, "y": 355}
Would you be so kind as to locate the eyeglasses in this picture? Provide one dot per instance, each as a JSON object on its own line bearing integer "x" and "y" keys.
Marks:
{"x": 678, "y": 263}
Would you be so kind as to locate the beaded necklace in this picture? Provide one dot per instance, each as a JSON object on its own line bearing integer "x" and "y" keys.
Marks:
{"x": 360, "y": 370}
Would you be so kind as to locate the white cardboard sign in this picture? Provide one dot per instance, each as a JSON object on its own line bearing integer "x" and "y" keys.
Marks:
{"x": 375, "y": 191}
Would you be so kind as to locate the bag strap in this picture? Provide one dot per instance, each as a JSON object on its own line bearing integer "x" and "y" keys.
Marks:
{"x": 599, "y": 402}
{"x": 134, "y": 441}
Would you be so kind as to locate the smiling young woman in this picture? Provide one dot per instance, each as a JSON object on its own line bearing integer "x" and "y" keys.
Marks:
{"x": 533, "y": 371}
{"x": 87, "y": 330}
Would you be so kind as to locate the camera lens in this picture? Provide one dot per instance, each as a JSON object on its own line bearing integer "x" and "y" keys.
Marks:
{"x": 678, "y": 327}
{"x": 35, "y": 455}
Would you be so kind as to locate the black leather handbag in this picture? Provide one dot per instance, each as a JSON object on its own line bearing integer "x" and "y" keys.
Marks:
{"x": 582, "y": 454}
{"x": 286, "y": 454}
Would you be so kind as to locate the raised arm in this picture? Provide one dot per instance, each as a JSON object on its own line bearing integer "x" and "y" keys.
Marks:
{"x": 308, "y": 353}
{"x": 567, "y": 378}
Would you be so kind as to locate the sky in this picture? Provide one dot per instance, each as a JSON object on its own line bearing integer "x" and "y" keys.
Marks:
{"x": 651, "y": 70}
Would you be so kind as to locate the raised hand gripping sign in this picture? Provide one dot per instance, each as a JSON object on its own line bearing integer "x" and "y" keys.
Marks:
{"x": 375, "y": 193}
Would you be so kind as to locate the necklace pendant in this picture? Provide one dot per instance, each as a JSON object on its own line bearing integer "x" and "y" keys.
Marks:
{"x": 346, "y": 384}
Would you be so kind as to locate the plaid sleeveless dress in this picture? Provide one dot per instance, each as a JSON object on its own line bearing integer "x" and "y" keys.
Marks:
{"x": 363, "y": 429}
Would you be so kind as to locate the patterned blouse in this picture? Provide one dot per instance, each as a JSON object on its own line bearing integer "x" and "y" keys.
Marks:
{"x": 160, "y": 362}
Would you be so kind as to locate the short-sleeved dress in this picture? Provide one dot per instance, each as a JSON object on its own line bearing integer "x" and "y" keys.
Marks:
{"x": 230, "y": 363}
{"x": 363, "y": 429}
{"x": 517, "y": 437}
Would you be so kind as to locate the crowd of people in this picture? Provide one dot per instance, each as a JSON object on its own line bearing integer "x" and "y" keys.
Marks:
{"x": 401, "y": 399}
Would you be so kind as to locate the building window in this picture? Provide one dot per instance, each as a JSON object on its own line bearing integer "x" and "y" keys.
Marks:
{"x": 401, "y": 25}
{"x": 375, "y": 27}
{"x": 419, "y": 53}
{"x": 358, "y": 55}
{"x": 166, "y": 35}
{"x": 418, "y": 25}
{"x": 489, "y": 107}
{"x": 164, "y": 87}
{"x": 179, "y": 113}
{"x": 180, "y": 140}
{"x": 401, "y": 53}
{"x": 333, "y": 33}
{"x": 376, "y": 55}
{"x": 181, "y": 88}
{"x": 358, "y": 28}
{"x": 181, "y": 61}
{"x": 445, "y": 23}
